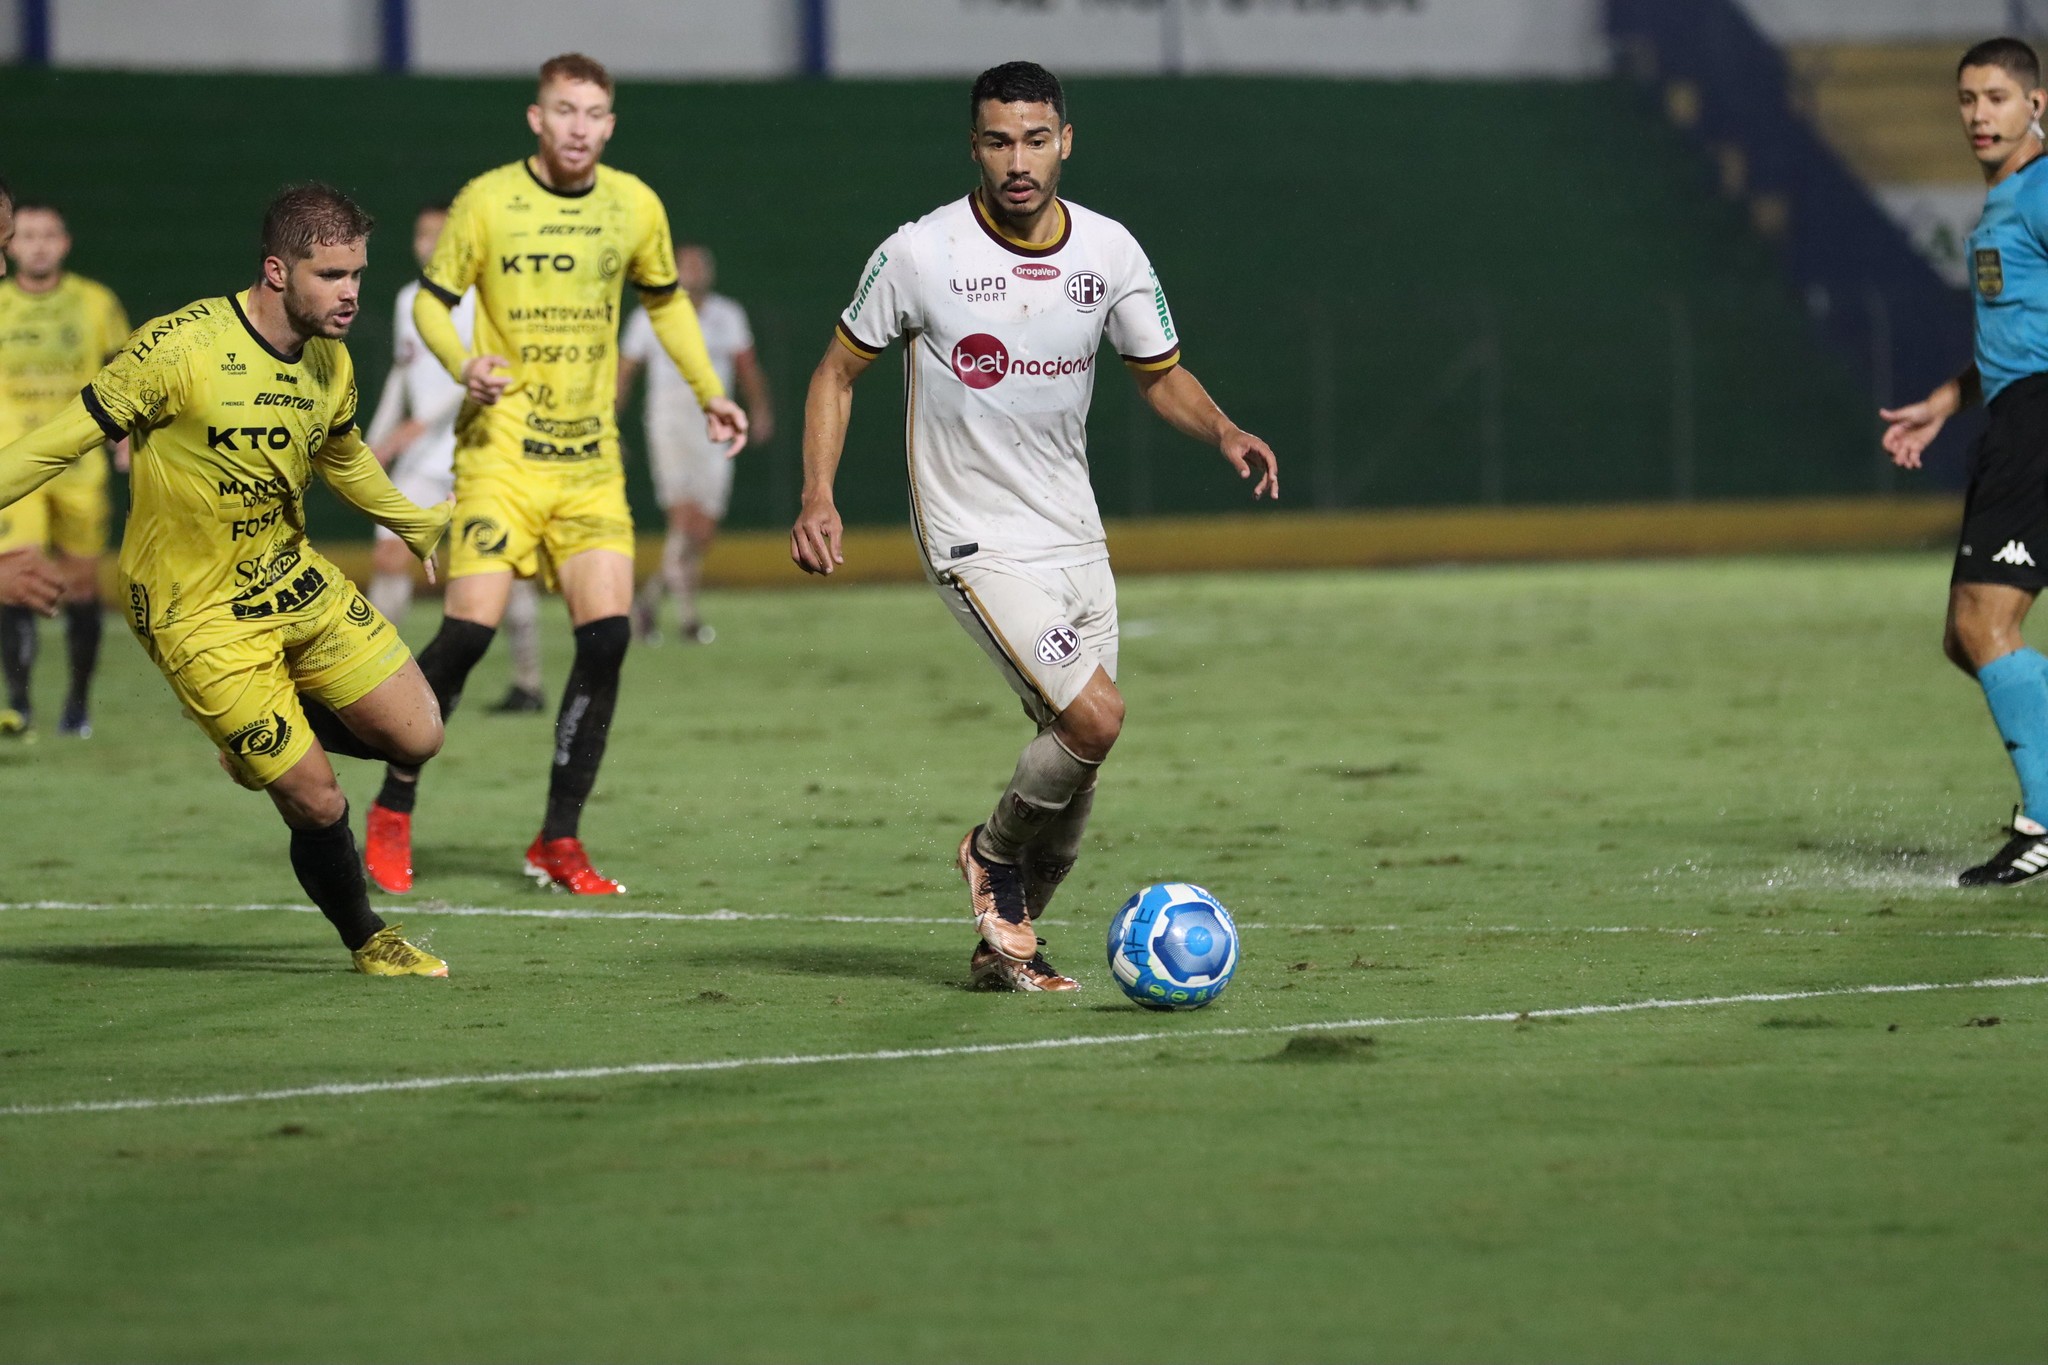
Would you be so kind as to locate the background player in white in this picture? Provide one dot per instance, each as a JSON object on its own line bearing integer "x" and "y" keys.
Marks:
{"x": 413, "y": 434}
{"x": 692, "y": 475}
{"x": 1003, "y": 299}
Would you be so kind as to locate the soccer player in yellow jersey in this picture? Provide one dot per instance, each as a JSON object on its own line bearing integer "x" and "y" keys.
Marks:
{"x": 26, "y": 578}
{"x": 56, "y": 329}
{"x": 548, "y": 243}
{"x": 231, "y": 405}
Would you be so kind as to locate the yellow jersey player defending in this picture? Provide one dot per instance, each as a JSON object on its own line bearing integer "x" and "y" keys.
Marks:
{"x": 56, "y": 330}
{"x": 231, "y": 405}
{"x": 26, "y": 578}
{"x": 548, "y": 244}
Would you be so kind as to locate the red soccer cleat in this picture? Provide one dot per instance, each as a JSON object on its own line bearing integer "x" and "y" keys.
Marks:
{"x": 387, "y": 849}
{"x": 563, "y": 863}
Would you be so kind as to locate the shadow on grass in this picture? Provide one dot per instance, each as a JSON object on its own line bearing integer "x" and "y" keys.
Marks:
{"x": 856, "y": 961}
{"x": 183, "y": 957}
{"x": 504, "y": 862}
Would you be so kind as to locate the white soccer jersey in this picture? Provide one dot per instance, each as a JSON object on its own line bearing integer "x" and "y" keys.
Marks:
{"x": 726, "y": 336}
{"x": 1000, "y": 343}
{"x": 420, "y": 388}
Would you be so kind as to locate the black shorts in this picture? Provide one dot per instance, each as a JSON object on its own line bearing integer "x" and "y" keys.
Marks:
{"x": 2005, "y": 516}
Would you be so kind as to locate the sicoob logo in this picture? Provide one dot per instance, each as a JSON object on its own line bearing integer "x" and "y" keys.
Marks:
{"x": 1058, "y": 645}
{"x": 981, "y": 360}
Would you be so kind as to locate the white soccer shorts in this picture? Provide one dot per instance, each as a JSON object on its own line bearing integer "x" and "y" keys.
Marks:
{"x": 1047, "y": 630}
{"x": 425, "y": 480}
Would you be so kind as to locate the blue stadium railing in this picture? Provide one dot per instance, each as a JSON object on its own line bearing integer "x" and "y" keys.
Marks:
{"x": 1868, "y": 290}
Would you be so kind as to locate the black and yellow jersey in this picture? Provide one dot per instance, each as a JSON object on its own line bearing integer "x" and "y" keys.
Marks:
{"x": 548, "y": 267}
{"x": 226, "y": 432}
{"x": 50, "y": 344}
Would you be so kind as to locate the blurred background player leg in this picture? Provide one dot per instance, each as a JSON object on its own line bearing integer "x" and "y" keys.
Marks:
{"x": 522, "y": 637}
{"x": 692, "y": 473}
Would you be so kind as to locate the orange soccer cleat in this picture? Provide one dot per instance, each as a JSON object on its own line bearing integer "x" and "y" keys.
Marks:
{"x": 387, "y": 849}
{"x": 563, "y": 863}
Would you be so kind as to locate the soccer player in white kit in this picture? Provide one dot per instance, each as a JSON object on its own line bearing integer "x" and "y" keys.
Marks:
{"x": 692, "y": 473}
{"x": 1002, "y": 299}
{"x": 413, "y": 435}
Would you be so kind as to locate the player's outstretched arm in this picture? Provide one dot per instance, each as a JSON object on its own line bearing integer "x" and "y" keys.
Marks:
{"x": 828, "y": 408}
{"x": 1913, "y": 427}
{"x": 354, "y": 474}
{"x": 486, "y": 377}
{"x": 676, "y": 328}
{"x": 1180, "y": 398}
{"x": 49, "y": 450}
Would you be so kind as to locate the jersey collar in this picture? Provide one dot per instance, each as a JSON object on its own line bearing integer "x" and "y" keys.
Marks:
{"x": 526, "y": 164}
{"x": 1016, "y": 246}
{"x": 235, "y": 302}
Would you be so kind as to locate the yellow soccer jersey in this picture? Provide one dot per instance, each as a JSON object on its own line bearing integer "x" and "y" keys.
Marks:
{"x": 548, "y": 268}
{"x": 50, "y": 345}
{"x": 225, "y": 434}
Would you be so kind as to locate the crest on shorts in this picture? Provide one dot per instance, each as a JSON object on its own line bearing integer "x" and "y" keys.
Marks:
{"x": 485, "y": 536}
{"x": 261, "y": 738}
{"x": 359, "y": 611}
{"x": 1058, "y": 645}
{"x": 1990, "y": 272}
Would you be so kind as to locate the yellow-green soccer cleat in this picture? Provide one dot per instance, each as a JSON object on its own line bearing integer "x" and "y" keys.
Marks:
{"x": 387, "y": 954}
{"x": 14, "y": 724}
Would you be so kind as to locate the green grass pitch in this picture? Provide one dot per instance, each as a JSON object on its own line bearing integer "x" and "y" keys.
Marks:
{"x": 1425, "y": 795}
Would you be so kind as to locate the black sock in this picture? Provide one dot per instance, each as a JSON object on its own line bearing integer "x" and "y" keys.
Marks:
{"x": 82, "y": 621}
{"x": 333, "y": 733}
{"x": 17, "y": 653}
{"x": 398, "y": 792}
{"x": 585, "y": 721}
{"x": 331, "y": 870}
{"x": 446, "y": 661}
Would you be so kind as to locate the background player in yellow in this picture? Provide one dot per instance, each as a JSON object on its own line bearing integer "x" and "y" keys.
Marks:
{"x": 548, "y": 243}
{"x": 232, "y": 404}
{"x": 56, "y": 329}
{"x": 26, "y": 578}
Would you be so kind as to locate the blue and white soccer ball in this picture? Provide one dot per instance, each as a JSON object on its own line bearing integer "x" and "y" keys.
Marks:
{"x": 1172, "y": 947}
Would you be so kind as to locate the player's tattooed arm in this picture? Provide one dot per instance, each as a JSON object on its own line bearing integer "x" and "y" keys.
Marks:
{"x": 352, "y": 471}
{"x": 1187, "y": 407}
{"x": 1911, "y": 429}
{"x": 814, "y": 542}
{"x": 50, "y": 449}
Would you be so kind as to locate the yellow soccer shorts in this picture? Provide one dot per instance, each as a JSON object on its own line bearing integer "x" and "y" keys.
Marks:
{"x": 241, "y": 681}
{"x": 69, "y": 514}
{"x": 529, "y": 514}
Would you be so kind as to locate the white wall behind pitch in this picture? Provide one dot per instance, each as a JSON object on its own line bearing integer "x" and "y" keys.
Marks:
{"x": 270, "y": 35}
{"x": 651, "y": 38}
{"x": 1805, "y": 21}
{"x": 1561, "y": 38}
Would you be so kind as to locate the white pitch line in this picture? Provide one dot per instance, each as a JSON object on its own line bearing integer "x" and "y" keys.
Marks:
{"x": 591, "y": 1073}
{"x": 724, "y": 916}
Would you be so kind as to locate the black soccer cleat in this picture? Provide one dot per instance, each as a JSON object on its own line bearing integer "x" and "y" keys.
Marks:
{"x": 520, "y": 701}
{"x": 2024, "y": 857}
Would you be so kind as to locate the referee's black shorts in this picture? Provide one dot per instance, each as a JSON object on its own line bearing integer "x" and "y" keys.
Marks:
{"x": 2005, "y": 516}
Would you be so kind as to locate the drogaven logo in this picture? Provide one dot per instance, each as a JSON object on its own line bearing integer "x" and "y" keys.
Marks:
{"x": 982, "y": 360}
{"x": 1035, "y": 270}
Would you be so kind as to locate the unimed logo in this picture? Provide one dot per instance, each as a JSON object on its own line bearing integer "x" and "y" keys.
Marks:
{"x": 982, "y": 361}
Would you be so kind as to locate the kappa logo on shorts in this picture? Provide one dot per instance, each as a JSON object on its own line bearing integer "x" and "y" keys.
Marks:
{"x": 261, "y": 738}
{"x": 360, "y": 612}
{"x": 2015, "y": 554}
{"x": 1990, "y": 272}
{"x": 485, "y": 536}
{"x": 1058, "y": 645}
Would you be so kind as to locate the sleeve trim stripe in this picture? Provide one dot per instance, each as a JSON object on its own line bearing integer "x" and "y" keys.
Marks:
{"x": 646, "y": 289}
{"x": 343, "y": 427}
{"x": 1157, "y": 362}
{"x": 99, "y": 414}
{"x": 447, "y": 298}
{"x": 854, "y": 343}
